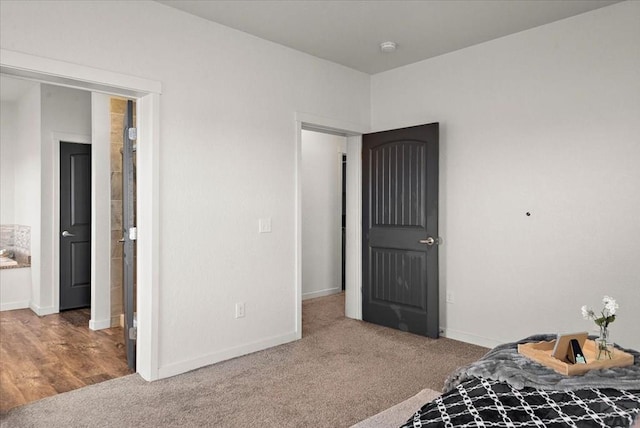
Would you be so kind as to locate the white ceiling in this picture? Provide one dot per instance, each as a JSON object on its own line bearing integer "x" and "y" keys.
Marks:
{"x": 350, "y": 32}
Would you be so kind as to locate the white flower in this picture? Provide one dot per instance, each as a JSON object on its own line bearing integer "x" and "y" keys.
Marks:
{"x": 587, "y": 313}
{"x": 610, "y": 305}
{"x": 606, "y": 316}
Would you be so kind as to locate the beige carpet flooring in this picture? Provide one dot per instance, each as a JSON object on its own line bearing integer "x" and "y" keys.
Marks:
{"x": 341, "y": 372}
{"x": 397, "y": 415}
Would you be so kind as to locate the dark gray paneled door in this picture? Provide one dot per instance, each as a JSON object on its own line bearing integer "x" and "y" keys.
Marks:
{"x": 75, "y": 225}
{"x": 129, "y": 238}
{"x": 400, "y": 229}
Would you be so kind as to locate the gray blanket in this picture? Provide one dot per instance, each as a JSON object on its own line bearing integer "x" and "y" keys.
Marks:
{"x": 505, "y": 364}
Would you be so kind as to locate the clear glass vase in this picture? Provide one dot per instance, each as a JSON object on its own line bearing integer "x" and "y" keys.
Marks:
{"x": 604, "y": 345}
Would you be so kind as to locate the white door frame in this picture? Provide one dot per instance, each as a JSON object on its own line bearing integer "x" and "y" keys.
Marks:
{"x": 147, "y": 93}
{"x": 353, "y": 253}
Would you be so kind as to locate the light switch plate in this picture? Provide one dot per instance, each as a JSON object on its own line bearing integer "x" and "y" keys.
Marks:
{"x": 240, "y": 310}
{"x": 264, "y": 225}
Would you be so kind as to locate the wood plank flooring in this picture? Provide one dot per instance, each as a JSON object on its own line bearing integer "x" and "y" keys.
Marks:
{"x": 44, "y": 356}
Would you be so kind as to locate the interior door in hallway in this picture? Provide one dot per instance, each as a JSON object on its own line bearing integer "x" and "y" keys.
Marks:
{"x": 130, "y": 233}
{"x": 75, "y": 225}
{"x": 400, "y": 229}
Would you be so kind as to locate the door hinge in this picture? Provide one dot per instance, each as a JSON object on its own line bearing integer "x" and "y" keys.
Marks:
{"x": 133, "y": 233}
{"x": 133, "y": 133}
{"x": 133, "y": 333}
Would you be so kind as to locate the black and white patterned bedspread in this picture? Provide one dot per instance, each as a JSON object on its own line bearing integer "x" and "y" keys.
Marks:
{"x": 479, "y": 402}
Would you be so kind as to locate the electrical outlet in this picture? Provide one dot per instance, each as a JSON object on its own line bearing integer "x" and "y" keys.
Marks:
{"x": 240, "y": 310}
{"x": 450, "y": 297}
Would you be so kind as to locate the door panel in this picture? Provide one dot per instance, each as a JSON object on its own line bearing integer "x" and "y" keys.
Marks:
{"x": 128, "y": 223}
{"x": 81, "y": 266}
{"x": 392, "y": 274}
{"x": 400, "y": 209}
{"x": 80, "y": 189}
{"x": 75, "y": 225}
{"x": 397, "y": 196}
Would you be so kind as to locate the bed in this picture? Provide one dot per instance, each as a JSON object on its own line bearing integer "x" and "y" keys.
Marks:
{"x": 506, "y": 389}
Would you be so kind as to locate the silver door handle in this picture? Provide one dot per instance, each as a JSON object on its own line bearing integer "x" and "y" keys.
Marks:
{"x": 428, "y": 241}
{"x": 431, "y": 241}
{"x": 66, "y": 234}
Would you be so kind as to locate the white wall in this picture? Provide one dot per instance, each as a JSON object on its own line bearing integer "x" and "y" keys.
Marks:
{"x": 100, "y": 211}
{"x": 8, "y": 112}
{"x": 64, "y": 111}
{"x": 227, "y": 158}
{"x": 545, "y": 121}
{"x": 15, "y": 284}
{"x": 27, "y": 188}
{"x": 321, "y": 213}
{"x": 15, "y": 290}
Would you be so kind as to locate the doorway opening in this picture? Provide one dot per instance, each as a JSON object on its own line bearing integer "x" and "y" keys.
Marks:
{"x": 323, "y": 157}
{"x": 43, "y": 291}
{"x": 122, "y": 114}
{"x": 68, "y": 301}
{"x": 353, "y": 212}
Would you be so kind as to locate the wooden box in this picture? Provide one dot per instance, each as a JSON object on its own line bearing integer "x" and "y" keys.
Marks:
{"x": 541, "y": 353}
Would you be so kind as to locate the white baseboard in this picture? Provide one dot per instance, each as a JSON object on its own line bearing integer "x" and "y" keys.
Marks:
{"x": 216, "y": 357}
{"x": 10, "y": 306}
{"x": 471, "y": 338}
{"x": 43, "y": 311}
{"x": 99, "y": 324}
{"x": 117, "y": 321}
{"x": 321, "y": 293}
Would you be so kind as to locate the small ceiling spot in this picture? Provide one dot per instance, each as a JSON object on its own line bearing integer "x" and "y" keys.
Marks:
{"x": 387, "y": 46}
